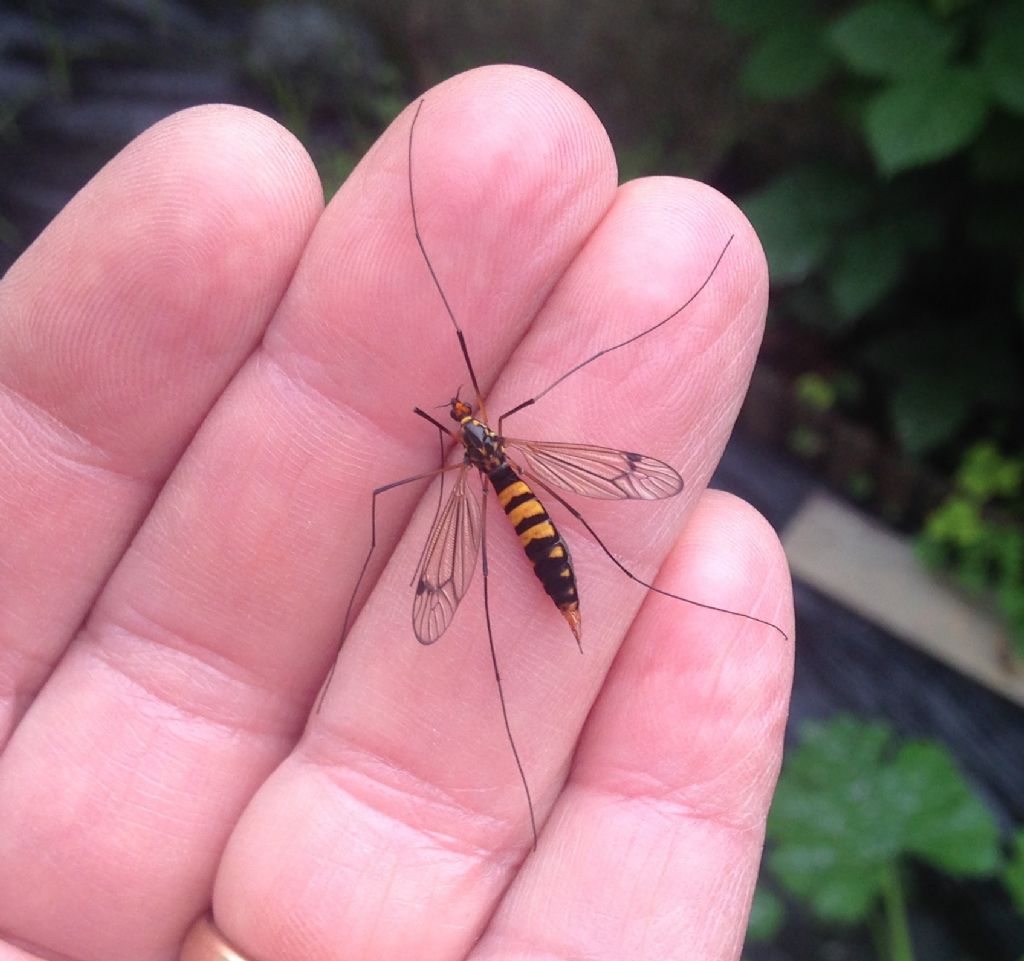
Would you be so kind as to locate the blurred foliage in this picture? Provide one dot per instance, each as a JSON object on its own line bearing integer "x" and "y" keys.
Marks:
{"x": 978, "y": 532}
{"x": 324, "y": 71}
{"x": 815, "y": 395}
{"x": 806, "y": 442}
{"x": 77, "y": 82}
{"x": 896, "y": 236}
{"x": 895, "y": 239}
{"x": 816, "y": 391}
{"x": 766, "y": 916}
{"x": 1013, "y": 873}
{"x": 659, "y": 75}
{"x": 852, "y": 803}
{"x": 853, "y": 806}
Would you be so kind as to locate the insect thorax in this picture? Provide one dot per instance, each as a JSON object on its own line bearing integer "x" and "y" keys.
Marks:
{"x": 484, "y": 449}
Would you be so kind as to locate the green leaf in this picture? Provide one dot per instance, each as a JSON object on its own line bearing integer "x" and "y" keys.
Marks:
{"x": 824, "y": 809}
{"x": 985, "y": 473}
{"x": 891, "y": 38}
{"x": 1011, "y": 561}
{"x": 945, "y": 823}
{"x": 766, "y": 916}
{"x": 790, "y": 61}
{"x": 815, "y": 391}
{"x": 1011, "y": 604}
{"x": 1002, "y": 55}
{"x": 869, "y": 263}
{"x": 943, "y": 374}
{"x": 925, "y": 119}
{"x": 831, "y": 748}
{"x": 836, "y": 892}
{"x": 756, "y": 16}
{"x": 956, "y": 522}
{"x": 798, "y": 216}
{"x": 925, "y": 412}
{"x": 1013, "y": 873}
{"x": 930, "y": 552}
{"x": 851, "y": 804}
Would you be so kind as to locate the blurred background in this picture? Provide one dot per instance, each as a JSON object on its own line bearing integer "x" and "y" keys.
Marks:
{"x": 878, "y": 147}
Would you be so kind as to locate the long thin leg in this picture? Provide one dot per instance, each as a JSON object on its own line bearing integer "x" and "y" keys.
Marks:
{"x": 494, "y": 662}
{"x": 366, "y": 563}
{"x": 433, "y": 273}
{"x": 628, "y": 340}
{"x": 420, "y": 412}
{"x": 633, "y": 577}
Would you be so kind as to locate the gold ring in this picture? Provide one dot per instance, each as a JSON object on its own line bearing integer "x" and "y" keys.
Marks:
{"x": 204, "y": 942}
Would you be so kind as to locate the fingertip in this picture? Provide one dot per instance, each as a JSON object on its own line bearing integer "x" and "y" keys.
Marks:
{"x": 516, "y": 121}
{"x": 511, "y": 150}
{"x": 695, "y": 217}
{"x": 225, "y": 185}
{"x": 698, "y": 695}
{"x": 171, "y": 261}
{"x": 730, "y": 552}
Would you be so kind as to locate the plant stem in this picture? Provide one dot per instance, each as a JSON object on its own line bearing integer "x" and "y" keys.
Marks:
{"x": 894, "y": 907}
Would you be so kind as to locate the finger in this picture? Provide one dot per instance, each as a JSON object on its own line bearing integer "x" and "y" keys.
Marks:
{"x": 199, "y": 663}
{"x": 118, "y": 329}
{"x": 10, "y": 953}
{"x": 652, "y": 850}
{"x": 406, "y": 778}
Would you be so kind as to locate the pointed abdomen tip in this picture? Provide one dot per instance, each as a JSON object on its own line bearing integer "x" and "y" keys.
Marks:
{"x": 575, "y": 625}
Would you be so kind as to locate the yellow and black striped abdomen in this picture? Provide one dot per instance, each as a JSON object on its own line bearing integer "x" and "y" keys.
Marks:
{"x": 541, "y": 541}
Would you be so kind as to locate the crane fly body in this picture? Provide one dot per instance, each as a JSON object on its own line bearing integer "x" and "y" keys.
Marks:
{"x": 513, "y": 467}
{"x": 436, "y": 597}
{"x": 518, "y": 472}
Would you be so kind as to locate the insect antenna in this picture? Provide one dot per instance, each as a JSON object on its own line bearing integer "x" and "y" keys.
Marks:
{"x": 433, "y": 273}
{"x": 629, "y": 340}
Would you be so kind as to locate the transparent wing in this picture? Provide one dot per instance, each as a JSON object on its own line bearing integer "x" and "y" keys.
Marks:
{"x": 598, "y": 471}
{"x": 448, "y": 562}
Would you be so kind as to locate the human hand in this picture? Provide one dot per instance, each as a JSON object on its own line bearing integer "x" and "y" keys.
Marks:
{"x": 204, "y": 377}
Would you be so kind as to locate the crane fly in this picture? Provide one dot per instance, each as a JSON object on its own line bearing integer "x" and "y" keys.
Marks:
{"x": 515, "y": 470}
